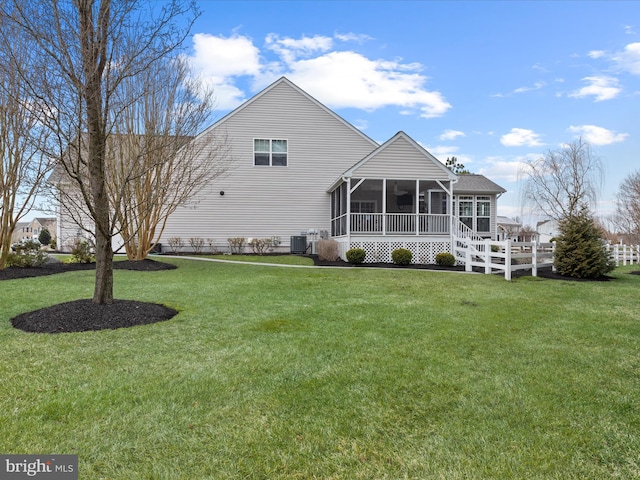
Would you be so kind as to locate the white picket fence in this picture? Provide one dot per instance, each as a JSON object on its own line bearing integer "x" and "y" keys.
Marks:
{"x": 508, "y": 256}
{"x": 625, "y": 254}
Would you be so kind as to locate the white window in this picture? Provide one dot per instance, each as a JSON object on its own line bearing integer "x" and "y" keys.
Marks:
{"x": 465, "y": 210}
{"x": 269, "y": 152}
{"x": 483, "y": 210}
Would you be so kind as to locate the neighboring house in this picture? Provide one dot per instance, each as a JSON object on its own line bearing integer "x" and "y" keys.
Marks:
{"x": 547, "y": 230}
{"x": 508, "y": 229}
{"x": 300, "y": 168}
{"x": 31, "y": 230}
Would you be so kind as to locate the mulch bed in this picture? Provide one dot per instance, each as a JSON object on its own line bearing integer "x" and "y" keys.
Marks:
{"x": 84, "y": 315}
{"x": 51, "y": 268}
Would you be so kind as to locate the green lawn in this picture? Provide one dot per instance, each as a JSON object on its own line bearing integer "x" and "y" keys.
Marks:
{"x": 289, "y": 373}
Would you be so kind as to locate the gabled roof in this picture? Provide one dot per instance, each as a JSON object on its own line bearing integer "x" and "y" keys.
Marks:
{"x": 506, "y": 221}
{"x": 398, "y": 136}
{"x": 286, "y": 81}
{"x": 475, "y": 183}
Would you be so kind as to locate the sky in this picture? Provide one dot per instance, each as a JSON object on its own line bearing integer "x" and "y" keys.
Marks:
{"x": 494, "y": 84}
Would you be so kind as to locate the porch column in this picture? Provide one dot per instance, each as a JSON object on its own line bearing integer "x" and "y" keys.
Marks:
{"x": 384, "y": 206}
{"x": 348, "y": 209}
{"x": 417, "y": 207}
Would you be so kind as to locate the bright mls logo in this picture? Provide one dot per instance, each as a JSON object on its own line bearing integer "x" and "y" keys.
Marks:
{"x": 50, "y": 467}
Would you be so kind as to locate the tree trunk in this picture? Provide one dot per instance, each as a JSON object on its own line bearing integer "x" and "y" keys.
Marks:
{"x": 93, "y": 40}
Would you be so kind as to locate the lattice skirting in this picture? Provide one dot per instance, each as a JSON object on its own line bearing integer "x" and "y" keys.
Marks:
{"x": 423, "y": 250}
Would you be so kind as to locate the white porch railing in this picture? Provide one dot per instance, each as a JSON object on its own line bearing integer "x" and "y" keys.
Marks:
{"x": 399, "y": 224}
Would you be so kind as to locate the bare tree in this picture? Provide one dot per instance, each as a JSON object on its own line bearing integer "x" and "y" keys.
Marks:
{"x": 153, "y": 164}
{"x": 85, "y": 50}
{"x": 23, "y": 166}
{"x": 559, "y": 183}
{"x": 628, "y": 207}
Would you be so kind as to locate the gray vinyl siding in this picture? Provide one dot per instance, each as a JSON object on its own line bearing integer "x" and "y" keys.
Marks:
{"x": 402, "y": 161}
{"x": 265, "y": 201}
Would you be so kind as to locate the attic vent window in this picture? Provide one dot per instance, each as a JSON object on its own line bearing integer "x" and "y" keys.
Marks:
{"x": 271, "y": 153}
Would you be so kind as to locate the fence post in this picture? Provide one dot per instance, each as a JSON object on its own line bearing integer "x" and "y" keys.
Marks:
{"x": 487, "y": 256}
{"x": 624, "y": 254}
{"x": 534, "y": 258}
{"x": 507, "y": 261}
{"x": 615, "y": 255}
{"x": 467, "y": 258}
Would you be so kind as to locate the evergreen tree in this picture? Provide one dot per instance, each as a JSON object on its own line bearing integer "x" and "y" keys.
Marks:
{"x": 580, "y": 249}
{"x": 45, "y": 237}
{"x": 455, "y": 166}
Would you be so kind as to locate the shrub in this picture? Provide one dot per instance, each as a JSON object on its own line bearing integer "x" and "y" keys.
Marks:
{"x": 580, "y": 249}
{"x": 27, "y": 254}
{"x": 45, "y": 237}
{"x": 445, "y": 259}
{"x": 259, "y": 245}
{"x": 236, "y": 244}
{"x": 356, "y": 256}
{"x": 81, "y": 252}
{"x": 328, "y": 250}
{"x": 175, "y": 244}
{"x": 197, "y": 244}
{"x": 401, "y": 256}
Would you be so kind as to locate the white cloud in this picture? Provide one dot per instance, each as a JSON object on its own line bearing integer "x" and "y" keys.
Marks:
{"x": 289, "y": 49}
{"x": 629, "y": 58}
{"x": 536, "y": 86}
{"x": 500, "y": 169}
{"x": 441, "y": 152}
{"x": 451, "y": 134}
{"x": 628, "y": 29}
{"x": 218, "y": 59}
{"x": 348, "y": 79}
{"x": 597, "y": 135}
{"x": 339, "y": 78}
{"x": 602, "y": 88}
{"x": 519, "y": 137}
{"x": 352, "y": 37}
{"x": 596, "y": 53}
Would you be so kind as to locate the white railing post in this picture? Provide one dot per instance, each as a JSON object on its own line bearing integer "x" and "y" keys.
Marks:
{"x": 615, "y": 255}
{"x": 553, "y": 256}
{"x": 467, "y": 258}
{"x": 534, "y": 258}
{"x": 507, "y": 261}
{"x": 487, "y": 256}
{"x": 624, "y": 254}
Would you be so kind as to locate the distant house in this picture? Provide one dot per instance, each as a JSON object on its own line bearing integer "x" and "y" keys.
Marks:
{"x": 547, "y": 230}
{"x": 31, "y": 230}
{"x": 508, "y": 229}
{"x": 300, "y": 169}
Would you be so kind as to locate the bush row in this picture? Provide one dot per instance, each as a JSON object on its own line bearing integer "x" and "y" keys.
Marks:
{"x": 400, "y": 256}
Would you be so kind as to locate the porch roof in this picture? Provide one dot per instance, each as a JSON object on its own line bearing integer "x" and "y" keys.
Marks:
{"x": 478, "y": 184}
{"x": 410, "y": 161}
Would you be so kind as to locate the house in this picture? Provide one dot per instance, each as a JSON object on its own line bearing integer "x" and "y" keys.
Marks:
{"x": 31, "y": 230}
{"x": 547, "y": 230}
{"x": 300, "y": 169}
{"x": 508, "y": 228}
